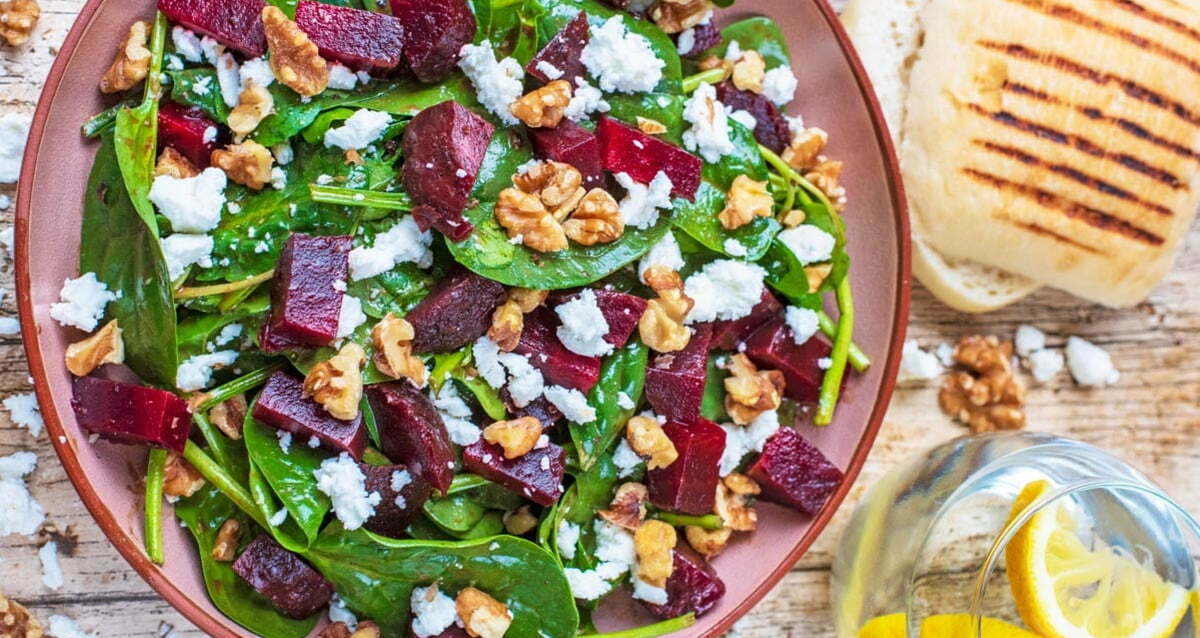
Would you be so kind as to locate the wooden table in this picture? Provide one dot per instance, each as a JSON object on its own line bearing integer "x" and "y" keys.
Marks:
{"x": 1151, "y": 419}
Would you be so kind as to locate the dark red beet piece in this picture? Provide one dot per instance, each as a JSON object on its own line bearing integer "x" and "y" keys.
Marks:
{"x": 539, "y": 408}
{"x": 704, "y": 37}
{"x": 675, "y": 380}
{"x": 792, "y": 472}
{"x": 772, "y": 129}
{"x": 563, "y": 52}
{"x": 183, "y": 129}
{"x": 728, "y": 334}
{"x": 455, "y": 313}
{"x": 133, "y": 414}
{"x": 693, "y": 587}
{"x": 235, "y": 23}
{"x": 624, "y": 149}
{"x": 305, "y": 303}
{"x": 391, "y": 518}
{"x": 435, "y": 31}
{"x": 412, "y": 431}
{"x": 361, "y": 40}
{"x": 572, "y": 144}
{"x": 443, "y": 148}
{"x": 530, "y": 476}
{"x": 772, "y": 347}
{"x": 283, "y": 406}
{"x": 294, "y": 587}
{"x": 621, "y": 311}
{"x": 453, "y": 631}
{"x": 453, "y": 225}
{"x": 624, "y": 5}
{"x": 689, "y": 485}
{"x": 559, "y": 366}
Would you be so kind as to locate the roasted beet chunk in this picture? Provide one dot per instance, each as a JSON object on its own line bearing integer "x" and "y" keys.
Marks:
{"x": 294, "y": 587}
{"x": 283, "y": 406}
{"x": 306, "y": 302}
{"x": 792, "y": 472}
{"x": 185, "y": 130}
{"x": 563, "y": 52}
{"x": 772, "y": 129}
{"x": 443, "y": 148}
{"x": 453, "y": 631}
{"x": 537, "y": 475}
{"x": 728, "y": 334}
{"x": 689, "y": 485}
{"x": 624, "y": 149}
{"x": 675, "y": 380}
{"x": 572, "y": 144}
{"x": 772, "y": 347}
{"x": 559, "y": 366}
{"x": 396, "y": 508}
{"x": 703, "y": 37}
{"x": 539, "y": 408}
{"x": 692, "y": 588}
{"x": 235, "y": 23}
{"x": 434, "y": 30}
{"x": 362, "y": 40}
{"x": 412, "y": 431}
{"x": 127, "y": 413}
{"x": 456, "y": 312}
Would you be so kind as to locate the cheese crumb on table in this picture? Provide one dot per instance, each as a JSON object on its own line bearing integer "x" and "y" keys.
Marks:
{"x": 1090, "y": 365}
{"x": 52, "y": 576}
{"x": 19, "y": 512}
{"x": 14, "y": 129}
{"x": 23, "y": 410}
{"x": 1044, "y": 365}
{"x": 64, "y": 627}
{"x": 1029, "y": 340}
{"x": 917, "y": 365}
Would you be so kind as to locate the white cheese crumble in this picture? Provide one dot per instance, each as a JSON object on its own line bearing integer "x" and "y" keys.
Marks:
{"x": 229, "y": 78}
{"x": 825, "y": 363}
{"x": 616, "y": 553}
{"x": 779, "y": 85}
{"x": 497, "y": 83}
{"x": 733, "y": 52}
{"x": 1090, "y": 365}
{"x": 456, "y": 414}
{"x": 917, "y": 365}
{"x": 1029, "y": 340}
{"x": 583, "y": 326}
{"x": 649, "y": 593}
{"x": 508, "y": 369}
{"x": 639, "y": 208}
{"x": 621, "y": 61}
{"x": 433, "y": 611}
{"x": 808, "y": 243}
{"x": 278, "y": 518}
{"x": 228, "y": 334}
{"x": 9, "y": 326}
{"x": 19, "y": 512}
{"x": 586, "y": 100}
{"x": 945, "y": 354}
{"x": 735, "y": 248}
{"x": 181, "y": 250}
{"x": 52, "y": 576}
{"x": 350, "y": 317}
{"x": 664, "y": 253}
{"x": 191, "y": 204}
{"x": 403, "y": 242}
{"x": 64, "y": 627}
{"x": 6, "y": 240}
{"x": 803, "y": 322}
{"x": 743, "y": 440}
{"x": 285, "y": 440}
{"x": 339, "y": 613}
{"x": 549, "y": 70}
{"x": 625, "y": 402}
{"x": 187, "y": 44}
{"x": 259, "y": 72}
{"x": 5, "y": 202}
{"x": 745, "y": 118}
{"x": 342, "y": 78}
{"x": 82, "y": 302}
{"x": 359, "y": 130}
{"x": 626, "y": 460}
{"x": 708, "y": 134}
{"x": 1044, "y": 365}
{"x": 341, "y": 480}
{"x": 400, "y": 479}
{"x": 571, "y": 403}
{"x": 567, "y": 539}
{"x": 14, "y": 129}
{"x": 195, "y": 373}
{"x": 23, "y": 410}
{"x": 284, "y": 154}
{"x": 723, "y": 290}
{"x": 686, "y": 41}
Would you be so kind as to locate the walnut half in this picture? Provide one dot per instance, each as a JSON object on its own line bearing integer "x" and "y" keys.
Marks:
{"x": 526, "y": 219}
{"x": 180, "y": 479}
{"x": 628, "y": 507}
{"x": 248, "y": 163}
{"x": 482, "y": 615}
{"x": 746, "y": 200}
{"x": 646, "y": 437}
{"x": 172, "y": 162}
{"x": 559, "y": 186}
{"x": 132, "y": 63}
{"x": 597, "y": 220}
{"x": 517, "y": 437}
{"x": 543, "y": 107}
{"x": 654, "y": 542}
{"x": 508, "y": 322}
{"x": 294, "y": 58}
{"x": 674, "y": 16}
{"x": 225, "y": 546}
{"x": 661, "y": 325}
{"x": 392, "y": 338}
{"x": 106, "y": 346}
{"x": 337, "y": 384}
{"x": 254, "y": 105}
{"x": 750, "y": 392}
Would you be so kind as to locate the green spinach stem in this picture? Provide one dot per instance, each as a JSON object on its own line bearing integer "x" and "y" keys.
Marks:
{"x": 832, "y": 383}
{"x": 356, "y": 197}
{"x": 211, "y": 436}
{"x": 237, "y": 386}
{"x": 708, "y": 521}
{"x": 651, "y": 631}
{"x": 858, "y": 359}
{"x": 711, "y": 76}
{"x": 158, "y": 44}
{"x": 215, "y": 474}
{"x": 104, "y": 120}
{"x": 195, "y": 292}
{"x": 155, "y": 473}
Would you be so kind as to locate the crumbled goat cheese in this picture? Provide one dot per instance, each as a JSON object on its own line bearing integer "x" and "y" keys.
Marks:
{"x": 14, "y": 129}
{"x": 1044, "y": 365}
{"x": 191, "y": 204}
{"x": 403, "y": 242}
{"x": 825, "y": 363}
{"x": 587, "y": 584}
{"x": 617, "y": 555}
{"x": 945, "y": 354}
{"x": 342, "y": 78}
{"x": 82, "y": 302}
{"x": 341, "y": 480}
{"x": 745, "y": 118}
{"x": 400, "y": 479}
{"x": 23, "y": 410}
{"x": 733, "y": 52}
{"x": 285, "y": 440}
{"x": 228, "y": 334}
{"x": 734, "y": 248}
{"x": 19, "y": 512}
{"x": 686, "y": 41}
{"x": 572, "y": 403}
{"x": 487, "y": 362}
{"x": 210, "y": 136}
{"x": 339, "y": 613}
{"x": 195, "y": 373}
{"x": 350, "y": 317}
{"x": 1090, "y": 365}
{"x": 549, "y": 70}
{"x": 278, "y": 518}
{"x": 803, "y": 322}
{"x": 64, "y": 627}
{"x": 202, "y": 86}
{"x": 625, "y": 402}
{"x": 52, "y": 576}
{"x": 182, "y": 250}
{"x": 187, "y": 44}
{"x": 583, "y": 326}
{"x": 497, "y": 83}
{"x": 649, "y": 593}
{"x": 723, "y": 290}
{"x": 9, "y": 326}
{"x": 229, "y": 78}
{"x": 748, "y": 439}
{"x": 795, "y": 124}
{"x": 456, "y": 415}
{"x": 433, "y": 611}
{"x": 283, "y": 153}
{"x": 566, "y": 539}
{"x": 917, "y": 365}
{"x": 359, "y": 130}
{"x": 5, "y": 202}
{"x": 626, "y": 460}
{"x": 614, "y": 544}
{"x": 1029, "y": 340}
{"x": 708, "y": 134}
{"x": 779, "y": 85}
{"x": 586, "y": 100}
{"x": 498, "y": 369}
{"x": 808, "y": 243}
{"x": 314, "y": 442}
{"x": 664, "y": 253}
{"x": 621, "y": 61}
{"x": 259, "y": 72}
{"x": 639, "y": 208}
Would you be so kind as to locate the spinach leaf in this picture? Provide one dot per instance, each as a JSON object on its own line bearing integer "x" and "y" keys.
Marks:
{"x": 761, "y": 34}
{"x": 207, "y": 97}
{"x": 455, "y": 513}
{"x": 304, "y": 360}
{"x": 699, "y": 220}
{"x": 506, "y": 151}
{"x": 376, "y": 576}
{"x": 785, "y": 273}
{"x": 196, "y": 332}
{"x": 396, "y": 290}
{"x": 491, "y": 524}
{"x": 293, "y": 114}
{"x": 593, "y": 491}
{"x": 745, "y": 159}
{"x": 289, "y": 475}
{"x": 712, "y": 403}
{"x": 136, "y": 134}
{"x": 409, "y": 98}
{"x": 623, "y": 372}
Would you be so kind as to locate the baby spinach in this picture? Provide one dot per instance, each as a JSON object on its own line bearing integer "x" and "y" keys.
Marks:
{"x": 712, "y": 403}
{"x": 455, "y": 513}
{"x": 785, "y": 273}
{"x": 293, "y": 113}
{"x": 396, "y": 290}
{"x": 409, "y": 98}
{"x": 593, "y": 490}
{"x": 623, "y": 372}
{"x": 289, "y": 475}
{"x": 744, "y": 160}
{"x": 196, "y": 332}
{"x": 136, "y": 135}
{"x": 506, "y": 151}
{"x": 198, "y": 87}
{"x": 699, "y": 219}
{"x": 761, "y": 34}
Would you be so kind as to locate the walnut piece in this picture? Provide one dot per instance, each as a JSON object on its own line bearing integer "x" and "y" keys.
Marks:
{"x": 804, "y": 149}
{"x": 628, "y": 507}
{"x": 528, "y": 299}
{"x": 248, "y": 163}
{"x": 294, "y": 58}
{"x": 17, "y": 622}
{"x": 132, "y": 63}
{"x": 646, "y": 437}
{"x": 661, "y": 325}
{"x": 517, "y": 436}
{"x": 817, "y": 274}
{"x": 172, "y": 162}
{"x": 714, "y": 62}
{"x": 733, "y": 504}
{"x": 254, "y": 105}
{"x": 519, "y": 521}
{"x": 650, "y": 127}
{"x": 707, "y": 542}
{"x": 180, "y": 479}
{"x": 750, "y": 391}
{"x": 392, "y": 338}
{"x": 543, "y": 107}
{"x": 825, "y": 177}
{"x": 654, "y": 542}
{"x": 482, "y": 615}
{"x": 559, "y": 186}
{"x": 597, "y": 220}
{"x": 17, "y": 18}
{"x": 367, "y": 629}
{"x": 337, "y": 383}
{"x": 106, "y": 346}
{"x": 674, "y": 16}
{"x": 507, "y": 324}
{"x": 748, "y": 72}
{"x": 987, "y": 396}
{"x": 229, "y": 416}
{"x": 225, "y": 546}
{"x": 747, "y": 199}
{"x": 793, "y": 218}
{"x": 335, "y": 630}
{"x": 525, "y": 217}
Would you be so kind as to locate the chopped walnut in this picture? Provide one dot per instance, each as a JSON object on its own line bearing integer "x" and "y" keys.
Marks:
{"x": 354, "y": 158}
{"x": 817, "y": 274}
{"x": 733, "y": 504}
{"x": 180, "y": 479}
{"x": 714, "y": 62}
{"x": 559, "y": 186}
{"x": 335, "y": 630}
{"x": 367, "y": 629}
{"x": 172, "y": 162}
{"x": 294, "y": 58}
{"x": 337, "y": 384}
{"x": 825, "y": 177}
{"x": 229, "y": 415}
{"x": 225, "y": 546}
{"x": 254, "y": 105}
{"x": 517, "y": 436}
{"x": 747, "y": 199}
{"x": 750, "y": 391}
{"x": 987, "y": 396}
{"x": 793, "y": 218}
{"x": 748, "y": 72}
{"x": 519, "y": 521}
{"x": 628, "y": 507}
{"x": 597, "y": 220}
{"x": 650, "y": 127}
{"x": 806, "y": 146}
{"x": 482, "y": 615}
{"x": 646, "y": 437}
{"x": 17, "y": 622}
{"x": 17, "y": 18}
{"x": 674, "y": 16}
{"x": 654, "y": 542}
{"x": 106, "y": 346}
{"x": 528, "y": 299}
{"x": 707, "y": 542}
{"x": 524, "y": 216}
{"x": 544, "y": 107}
{"x": 132, "y": 63}
{"x": 741, "y": 484}
{"x": 507, "y": 324}
{"x": 392, "y": 338}
{"x": 248, "y": 163}
{"x": 661, "y": 325}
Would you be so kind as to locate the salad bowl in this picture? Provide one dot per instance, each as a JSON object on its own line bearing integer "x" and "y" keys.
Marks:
{"x": 834, "y": 94}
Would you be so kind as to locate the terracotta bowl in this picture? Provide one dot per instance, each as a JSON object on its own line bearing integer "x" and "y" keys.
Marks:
{"x": 834, "y": 94}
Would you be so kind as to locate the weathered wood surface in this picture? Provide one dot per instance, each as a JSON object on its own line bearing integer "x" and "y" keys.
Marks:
{"x": 1151, "y": 418}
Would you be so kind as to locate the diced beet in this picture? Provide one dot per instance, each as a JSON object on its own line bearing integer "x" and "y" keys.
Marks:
{"x": 434, "y": 30}
{"x": 128, "y": 413}
{"x": 572, "y": 144}
{"x": 305, "y": 302}
{"x": 453, "y": 225}
{"x": 559, "y": 366}
{"x": 183, "y": 129}
{"x": 689, "y": 485}
{"x": 693, "y": 587}
{"x": 621, "y": 311}
{"x": 443, "y": 147}
{"x": 539, "y": 408}
{"x": 455, "y": 313}
{"x": 412, "y": 432}
{"x": 772, "y": 347}
{"x": 675, "y": 380}
{"x": 295, "y": 588}
{"x": 235, "y": 23}
{"x": 564, "y": 52}
{"x": 624, "y": 149}
{"x": 771, "y": 129}
{"x": 393, "y": 515}
{"x": 792, "y": 472}
{"x": 283, "y": 406}
{"x": 728, "y": 334}
{"x": 453, "y": 631}
{"x": 633, "y": 8}
{"x": 704, "y": 37}
{"x": 537, "y": 475}
{"x": 361, "y": 40}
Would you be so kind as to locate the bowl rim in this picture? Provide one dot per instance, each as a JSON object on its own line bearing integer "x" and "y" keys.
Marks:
{"x": 217, "y": 626}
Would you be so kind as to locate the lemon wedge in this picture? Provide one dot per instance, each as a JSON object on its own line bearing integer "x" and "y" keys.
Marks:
{"x": 942, "y": 626}
{"x": 1065, "y": 589}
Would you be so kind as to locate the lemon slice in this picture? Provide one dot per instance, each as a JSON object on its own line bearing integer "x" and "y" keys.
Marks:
{"x": 1064, "y": 589}
{"x": 942, "y": 626}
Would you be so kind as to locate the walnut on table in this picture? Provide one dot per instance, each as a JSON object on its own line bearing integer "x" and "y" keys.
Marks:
{"x": 17, "y": 622}
{"x": 17, "y": 19}
{"x": 987, "y": 396}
